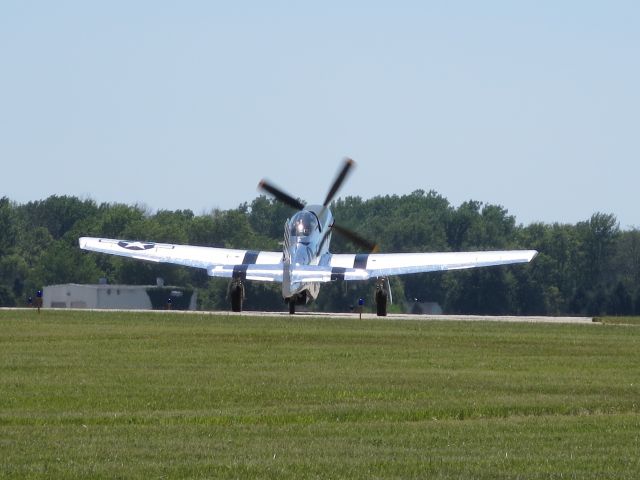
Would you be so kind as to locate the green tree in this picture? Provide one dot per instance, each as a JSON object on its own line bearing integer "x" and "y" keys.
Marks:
{"x": 620, "y": 301}
{"x": 486, "y": 291}
{"x": 626, "y": 261}
{"x": 461, "y": 221}
{"x": 61, "y": 263}
{"x": 113, "y": 220}
{"x": 267, "y": 217}
{"x": 597, "y": 237}
{"x": 58, "y": 214}
{"x": 8, "y": 227}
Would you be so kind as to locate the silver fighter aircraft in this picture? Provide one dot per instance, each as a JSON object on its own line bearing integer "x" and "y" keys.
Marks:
{"x": 305, "y": 262}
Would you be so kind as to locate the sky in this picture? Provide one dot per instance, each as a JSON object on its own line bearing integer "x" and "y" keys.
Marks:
{"x": 532, "y": 105}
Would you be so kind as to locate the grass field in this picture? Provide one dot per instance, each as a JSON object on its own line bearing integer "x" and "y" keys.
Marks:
{"x": 126, "y": 395}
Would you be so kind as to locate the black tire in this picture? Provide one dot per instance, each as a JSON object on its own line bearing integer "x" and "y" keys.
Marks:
{"x": 292, "y": 306}
{"x": 236, "y": 298}
{"x": 381, "y": 303}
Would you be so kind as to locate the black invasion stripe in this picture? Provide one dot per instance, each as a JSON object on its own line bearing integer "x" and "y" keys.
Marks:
{"x": 361, "y": 260}
{"x": 250, "y": 257}
{"x": 337, "y": 273}
{"x": 240, "y": 272}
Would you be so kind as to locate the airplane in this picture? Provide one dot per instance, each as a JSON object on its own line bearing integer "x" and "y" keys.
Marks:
{"x": 305, "y": 261}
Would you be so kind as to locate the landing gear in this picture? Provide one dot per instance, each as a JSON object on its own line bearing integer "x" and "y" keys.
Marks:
{"x": 381, "y": 298}
{"x": 236, "y": 292}
{"x": 301, "y": 298}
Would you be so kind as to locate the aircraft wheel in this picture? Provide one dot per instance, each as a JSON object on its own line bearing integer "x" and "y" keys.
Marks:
{"x": 292, "y": 305}
{"x": 237, "y": 295}
{"x": 381, "y": 302}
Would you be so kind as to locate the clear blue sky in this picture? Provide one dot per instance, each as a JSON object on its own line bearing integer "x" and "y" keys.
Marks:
{"x": 530, "y": 105}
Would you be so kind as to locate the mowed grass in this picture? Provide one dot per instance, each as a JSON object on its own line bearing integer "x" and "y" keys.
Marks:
{"x": 619, "y": 320}
{"x": 144, "y": 395}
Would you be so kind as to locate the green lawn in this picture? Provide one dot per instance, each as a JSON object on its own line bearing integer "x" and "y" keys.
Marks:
{"x": 108, "y": 395}
{"x": 619, "y": 320}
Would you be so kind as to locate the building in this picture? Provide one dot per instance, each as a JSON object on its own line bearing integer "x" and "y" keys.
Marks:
{"x": 102, "y": 296}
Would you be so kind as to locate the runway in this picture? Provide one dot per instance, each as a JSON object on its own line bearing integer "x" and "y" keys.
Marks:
{"x": 355, "y": 316}
{"x": 405, "y": 316}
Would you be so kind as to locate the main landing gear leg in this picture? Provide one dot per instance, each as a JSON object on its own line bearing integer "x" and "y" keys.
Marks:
{"x": 236, "y": 292}
{"x": 292, "y": 305}
{"x": 381, "y": 298}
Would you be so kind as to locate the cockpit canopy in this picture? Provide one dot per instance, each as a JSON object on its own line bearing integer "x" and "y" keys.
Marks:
{"x": 302, "y": 224}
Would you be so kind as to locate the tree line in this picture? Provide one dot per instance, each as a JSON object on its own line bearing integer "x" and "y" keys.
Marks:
{"x": 588, "y": 268}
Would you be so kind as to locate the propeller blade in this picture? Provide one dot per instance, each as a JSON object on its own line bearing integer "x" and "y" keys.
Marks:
{"x": 355, "y": 238}
{"x": 325, "y": 237}
{"x": 337, "y": 183}
{"x": 280, "y": 195}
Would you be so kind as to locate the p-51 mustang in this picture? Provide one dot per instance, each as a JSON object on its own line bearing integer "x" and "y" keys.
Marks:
{"x": 305, "y": 261}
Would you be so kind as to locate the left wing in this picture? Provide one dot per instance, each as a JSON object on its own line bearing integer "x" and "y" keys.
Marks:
{"x": 219, "y": 262}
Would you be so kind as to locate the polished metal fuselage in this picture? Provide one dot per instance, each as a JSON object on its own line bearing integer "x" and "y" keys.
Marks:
{"x": 306, "y": 242}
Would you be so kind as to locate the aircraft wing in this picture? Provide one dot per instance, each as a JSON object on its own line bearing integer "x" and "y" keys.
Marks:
{"x": 384, "y": 264}
{"x": 268, "y": 266}
{"x": 219, "y": 262}
{"x": 354, "y": 267}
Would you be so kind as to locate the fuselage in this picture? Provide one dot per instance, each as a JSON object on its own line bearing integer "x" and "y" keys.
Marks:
{"x": 306, "y": 242}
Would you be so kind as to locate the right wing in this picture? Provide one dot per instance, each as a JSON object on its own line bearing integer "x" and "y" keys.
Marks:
{"x": 219, "y": 262}
{"x": 384, "y": 264}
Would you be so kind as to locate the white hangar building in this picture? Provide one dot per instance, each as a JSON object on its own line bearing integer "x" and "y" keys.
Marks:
{"x": 135, "y": 297}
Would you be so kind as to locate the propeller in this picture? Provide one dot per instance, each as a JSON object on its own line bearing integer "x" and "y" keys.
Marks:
{"x": 337, "y": 183}
{"x": 298, "y": 205}
{"x": 349, "y": 235}
{"x": 355, "y": 238}
{"x": 281, "y": 195}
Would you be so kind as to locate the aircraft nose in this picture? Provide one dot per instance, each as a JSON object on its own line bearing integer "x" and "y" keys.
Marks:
{"x": 301, "y": 255}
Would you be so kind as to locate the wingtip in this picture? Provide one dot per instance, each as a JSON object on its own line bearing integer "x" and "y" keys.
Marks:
{"x": 82, "y": 242}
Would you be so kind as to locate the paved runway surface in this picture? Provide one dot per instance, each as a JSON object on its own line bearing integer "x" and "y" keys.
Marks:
{"x": 371, "y": 316}
{"x": 398, "y": 316}
{"x": 404, "y": 316}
